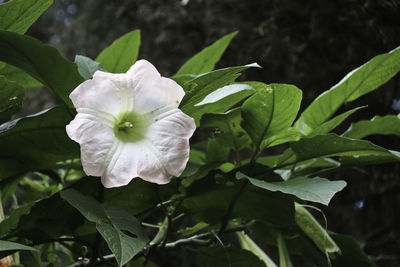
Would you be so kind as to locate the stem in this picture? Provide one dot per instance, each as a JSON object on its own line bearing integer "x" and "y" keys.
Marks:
{"x": 96, "y": 249}
{"x": 232, "y": 204}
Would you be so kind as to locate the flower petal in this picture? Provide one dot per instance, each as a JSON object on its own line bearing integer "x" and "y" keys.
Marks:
{"x": 169, "y": 136}
{"x": 163, "y": 154}
{"x": 102, "y": 94}
{"x": 96, "y": 141}
{"x": 150, "y": 90}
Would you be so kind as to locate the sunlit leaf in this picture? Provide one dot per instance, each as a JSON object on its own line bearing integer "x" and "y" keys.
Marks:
{"x": 121, "y": 54}
{"x": 358, "y": 82}
{"x": 205, "y": 60}
{"x": 386, "y": 125}
{"x": 19, "y": 15}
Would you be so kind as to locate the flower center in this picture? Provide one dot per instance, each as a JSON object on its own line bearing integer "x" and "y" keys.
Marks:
{"x": 129, "y": 127}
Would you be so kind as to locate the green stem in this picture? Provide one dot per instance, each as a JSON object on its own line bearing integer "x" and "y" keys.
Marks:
{"x": 232, "y": 204}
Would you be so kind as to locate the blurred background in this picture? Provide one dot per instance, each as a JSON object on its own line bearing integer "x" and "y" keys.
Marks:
{"x": 309, "y": 43}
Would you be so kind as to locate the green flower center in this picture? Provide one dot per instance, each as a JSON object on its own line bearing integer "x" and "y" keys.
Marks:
{"x": 129, "y": 127}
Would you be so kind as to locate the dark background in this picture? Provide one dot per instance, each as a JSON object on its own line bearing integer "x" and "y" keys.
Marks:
{"x": 309, "y": 43}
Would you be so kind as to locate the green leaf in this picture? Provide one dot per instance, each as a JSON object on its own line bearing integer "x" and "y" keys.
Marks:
{"x": 120, "y": 229}
{"x": 42, "y": 62}
{"x": 358, "y": 82}
{"x": 284, "y": 259}
{"x": 330, "y": 145}
{"x": 12, "y": 246}
{"x": 312, "y": 189}
{"x": 87, "y": 66}
{"x": 19, "y": 15}
{"x": 209, "y": 202}
{"x": 205, "y": 84}
{"x": 226, "y": 257}
{"x": 393, "y": 156}
{"x": 248, "y": 244}
{"x": 19, "y": 76}
{"x": 225, "y": 92}
{"x": 35, "y": 142}
{"x": 352, "y": 254}
{"x": 205, "y": 60}
{"x": 11, "y": 97}
{"x": 315, "y": 231}
{"x": 121, "y": 54}
{"x": 228, "y": 131}
{"x": 386, "y": 125}
{"x": 270, "y": 112}
{"x": 327, "y": 126}
{"x": 11, "y": 222}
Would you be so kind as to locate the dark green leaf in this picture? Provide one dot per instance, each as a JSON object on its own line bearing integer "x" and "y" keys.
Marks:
{"x": 248, "y": 244}
{"x": 205, "y": 60}
{"x": 12, "y": 246}
{"x": 352, "y": 254}
{"x": 386, "y": 125}
{"x": 315, "y": 231}
{"x": 121, "y": 54}
{"x": 120, "y": 229}
{"x": 19, "y": 15}
{"x": 42, "y": 62}
{"x": 312, "y": 189}
{"x": 358, "y": 82}
{"x": 226, "y": 257}
{"x": 270, "y": 112}
{"x": 333, "y": 145}
{"x": 87, "y": 66}
{"x": 209, "y": 202}
{"x": 11, "y": 97}
{"x": 227, "y": 129}
{"x": 11, "y": 222}
{"x": 35, "y": 142}
{"x": 203, "y": 85}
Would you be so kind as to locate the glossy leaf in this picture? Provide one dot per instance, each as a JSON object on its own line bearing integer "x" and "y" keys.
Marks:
{"x": 205, "y": 84}
{"x": 121, "y": 54}
{"x": 87, "y": 66}
{"x": 224, "y": 92}
{"x": 11, "y": 97}
{"x": 205, "y": 60}
{"x": 270, "y": 112}
{"x": 315, "y": 231}
{"x": 312, "y": 189}
{"x": 42, "y": 62}
{"x": 358, "y": 82}
{"x": 120, "y": 230}
{"x": 386, "y": 125}
{"x": 19, "y": 15}
{"x": 35, "y": 142}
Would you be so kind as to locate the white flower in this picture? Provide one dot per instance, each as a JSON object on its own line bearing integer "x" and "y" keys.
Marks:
{"x": 129, "y": 125}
